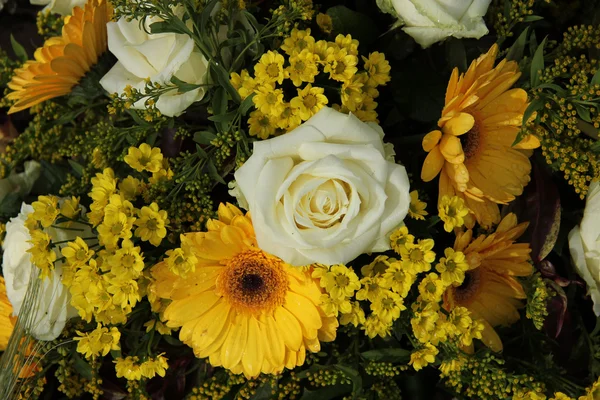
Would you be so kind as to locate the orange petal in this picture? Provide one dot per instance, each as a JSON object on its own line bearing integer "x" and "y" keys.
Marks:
{"x": 452, "y": 150}
{"x": 460, "y": 124}
{"x": 431, "y": 140}
{"x": 432, "y": 165}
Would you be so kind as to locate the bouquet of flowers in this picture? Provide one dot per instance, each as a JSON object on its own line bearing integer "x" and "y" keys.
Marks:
{"x": 300, "y": 199}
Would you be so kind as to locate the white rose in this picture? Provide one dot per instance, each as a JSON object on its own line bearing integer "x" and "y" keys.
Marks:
{"x": 62, "y": 7}
{"x": 158, "y": 57}
{"x": 324, "y": 192}
{"x": 584, "y": 243}
{"x": 20, "y": 183}
{"x": 52, "y": 304}
{"x": 429, "y": 21}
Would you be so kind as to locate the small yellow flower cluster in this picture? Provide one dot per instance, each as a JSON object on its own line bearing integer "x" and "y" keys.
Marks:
{"x": 416, "y": 209}
{"x": 98, "y": 342}
{"x": 452, "y": 211}
{"x": 340, "y": 284}
{"x": 130, "y": 369}
{"x": 306, "y": 59}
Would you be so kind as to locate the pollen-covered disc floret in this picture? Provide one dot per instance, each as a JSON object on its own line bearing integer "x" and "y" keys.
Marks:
{"x": 244, "y": 309}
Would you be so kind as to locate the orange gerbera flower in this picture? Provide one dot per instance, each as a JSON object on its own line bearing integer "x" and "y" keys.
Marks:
{"x": 490, "y": 290}
{"x": 472, "y": 151}
{"x": 63, "y": 60}
{"x": 7, "y": 321}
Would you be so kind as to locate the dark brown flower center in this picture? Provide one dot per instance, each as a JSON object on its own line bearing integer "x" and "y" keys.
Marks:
{"x": 469, "y": 288}
{"x": 470, "y": 142}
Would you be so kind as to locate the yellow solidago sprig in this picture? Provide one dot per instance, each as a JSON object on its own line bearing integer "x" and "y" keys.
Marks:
{"x": 301, "y": 61}
{"x": 452, "y": 211}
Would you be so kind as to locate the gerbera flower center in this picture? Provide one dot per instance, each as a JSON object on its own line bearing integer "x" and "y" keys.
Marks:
{"x": 469, "y": 288}
{"x": 470, "y": 141}
{"x": 253, "y": 282}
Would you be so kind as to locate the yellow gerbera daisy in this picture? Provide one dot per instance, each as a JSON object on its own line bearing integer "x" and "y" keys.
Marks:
{"x": 244, "y": 309}
{"x": 63, "y": 60}
{"x": 472, "y": 152}
{"x": 7, "y": 321}
{"x": 490, "y": 290}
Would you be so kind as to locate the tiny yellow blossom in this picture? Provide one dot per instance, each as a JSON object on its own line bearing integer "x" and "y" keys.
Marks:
{"x": 340, "y": 282}
{"x": 309, "y": 101}
{"x": 416, "y": 209}
{"x": 374, "y": 326}
{"x": 452, "y": 211}
{"x": 98, "y": 342}
{"x": 77, "y": 252}
{"x": 269, "y": 68}
{"x": 399, "y": 278}
{"x": 302, "y": 68}
{"x": 431, "y": 288}
{"x": 180, "y": 261}
{"x": 154, "y": 366}
{"x": 400, "y": 238}
{"x": 452, "y": 268}
{"x": 423, "y": 357}
{"x": 42, "y": 256}
{"x": 388, "y": 306}
{"x": 130, "y": 188}
{"x": 144, "y": 158}
{"x": 261, "y": 125}
{"x": 332, "y": 307}
{"x": 269, "y": 100}
{"x": 45, "y": 210}
{"x": 151, "y": 224}
{"x": 289, "y": 118}
{"x": 298, "y": 41}
{"x": 70, "y": 207}
{"x": 128, "y": 368}
{"x": 418, "y": 256}
{"x": 355, "y": 317}
{"x": 325, "y": 23}
{"x": 378, "y": 266}
{"x": 378, "y": 69}
{"x": 371, "y": 288}
{"x": 341, "y": 65}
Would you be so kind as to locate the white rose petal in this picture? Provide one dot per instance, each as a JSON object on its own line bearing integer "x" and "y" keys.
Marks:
{"x": 324, "y": 192}
{"x": 584, "y": 244}
{"x": 158, "y": 57}
{"x": 52, "y": 305}
{"x": 20, "y": 183}
{"x": 430, "y": 21}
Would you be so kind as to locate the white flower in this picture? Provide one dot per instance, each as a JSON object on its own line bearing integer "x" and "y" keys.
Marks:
{"x": 324, "y": 192}
{"x": 20, "y": 183}
{"x": 52, "y": 304}
{"x": 584, "y": 243}
{"x": 62, "y": 7}
{"x": 429, "y": 21}
{"x": 157, "y": 57}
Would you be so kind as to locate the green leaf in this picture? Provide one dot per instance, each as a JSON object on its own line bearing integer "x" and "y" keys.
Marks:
{"x": 537, "y": 64}
{"x": 206, "y": 14}
{"x": 213, "y": 173}
{"x": 534, "y": 106}
{"x": 583, "y": 113}
{"x": 78, "y": 168}
{"x": 596, "y": 78}
{"x": 81, "y": 366}
{"x": 164, "y": 27}
{"x": 223, "y": 117}
{"x": 391, "y": 355}
{"x": 532, "y": 18}
{"x": 18, "y": 49}
{"x": 518, "y": 48}
{"x": 327, "y": 393}
{"x": 10, "y": 205}
{"x": 360, "y": 26}
{"x": 136, "y": 117}
{"x": 247, "y": 104}
{"x": 204, "y": 137}
{"x": 173, "y": 341}
{"x": 182, "y": 86}
{"x": 263, "y": 392}
{"x": 220, "y": 75}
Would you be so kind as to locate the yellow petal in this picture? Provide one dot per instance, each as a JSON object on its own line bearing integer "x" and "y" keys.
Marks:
{"x": 432, "y": 165}
{"x": 431, "y": 140}
{"x": 289, "y": 328}
{"x": 252, "y": 359}
{"x": 181, "y": 311}
{"x": 211, "y": 326}
{"x": 460, "y": 124}
{"x": 276, "y": 349}
{"x": 305, "y": 312}
{"x": 233, "y": 347}
{"x": 452, "y": 150}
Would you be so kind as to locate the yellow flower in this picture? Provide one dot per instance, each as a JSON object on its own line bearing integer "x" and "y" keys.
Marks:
{"x": 154, "y": 366}
{"x": 45, "y": 210}
{"x": 125, "y": 293}
{"x": 298, "y": 41}
{"x": 151, "y": 224}
{"x": 423, "y": 357}
{"x": 399, "y": 278}
{"x": 244, "y": 83}
{"x": 261, "y": 125}
{"x": 561, "y": 396}
{"x": 98, "y": 342}
{"x": 77, "y": 252}
{"x": 355, "y": 317}
{"x": 42, "y": 256}
{"x": 529, "y": 395}
{"x": 424, "y": 321}
{"x": 115, "y": 226}
{"x": 472, "y": 152}
{"x": 452, "y": 212}
{"x": 352, "y": 92}
{"x": 127, "y": 262}
{"x": 347, "y": 43}
{"x": 449, "y": 366}
{"x": 490, "y": 290}
{"x": 374, "y": 326}
{"x": 378, "y": 69}
{"x": 370, "y": 288}
{"x": 365, "y": 111}
{"x": 400, "y": 238}
{"x": 321, "y": 49}
{"x": 418, "y": 257}
{"x": 340, "y": 65}
{"x": 593, "y": 392}
{"x": 289, "y": 118}
{"x": 378, "y": 266}
{"x": 302, "y": 68}
{"x": 244, "y": 309}
{"x": 269, "y": 68}
{"x": 431, "y": 288}
{"x": 130, "y": 187}
{"x": 104, "y": 185}
{"x": 7, "y": 321}
{"x": 309, "y": 101}
{"x": 332, "y": 307}
{"x": 180, "y": 262}
{"x": 63, "y": 60}
{"x": 128, "y": 368}
{"x": 325, "y": 23}
{"x": 416, "y": 209}
{"x": 157, "y": 326}
{"x": 340, "y": 282}
{"x": 269, "y": 100}
{"x": 387, "y": 306}
{"x": 144, "y": 158}
{"x": 70, "y": 207}
{"x": 452, "y": 268}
